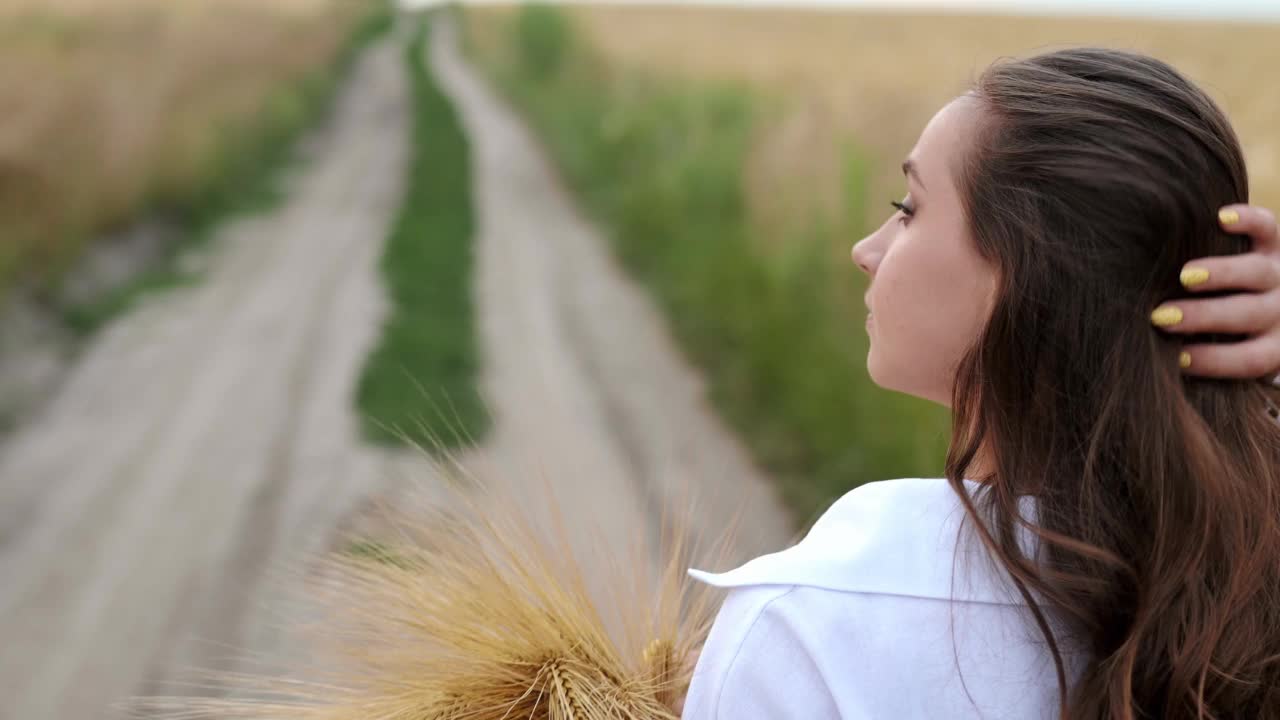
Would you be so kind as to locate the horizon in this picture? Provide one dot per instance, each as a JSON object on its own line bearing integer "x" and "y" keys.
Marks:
{"x": 1224, "y": 10}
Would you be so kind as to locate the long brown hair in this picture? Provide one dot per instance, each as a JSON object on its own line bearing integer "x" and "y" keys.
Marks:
{"x": 1096, "y": 175}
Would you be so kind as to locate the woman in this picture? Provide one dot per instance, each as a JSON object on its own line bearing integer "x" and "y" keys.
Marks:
{"x": 1106, "y": 543}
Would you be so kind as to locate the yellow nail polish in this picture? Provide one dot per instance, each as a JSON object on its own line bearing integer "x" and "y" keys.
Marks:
{"x": 1166, "y": 316}
{"x": 1228, "y": 217}
{"x": 1184, "y": 360}
{"x": 1194, "y": 276}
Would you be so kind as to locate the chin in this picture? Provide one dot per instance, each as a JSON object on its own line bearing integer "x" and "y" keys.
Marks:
{"x": 875, "y": 371}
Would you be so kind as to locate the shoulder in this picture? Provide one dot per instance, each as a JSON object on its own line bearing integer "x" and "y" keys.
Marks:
{"x": 865, "y": 618}
{"x": 753, "y": 637}
{"x": 791, "y": 652}
{"x": 909, "y": 537}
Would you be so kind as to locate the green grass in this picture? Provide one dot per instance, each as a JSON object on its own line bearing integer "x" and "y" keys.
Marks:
{"x": 86, "y": 318}
{"x": 660, "y": 164}
{"x": 244, "y": 177}
{"x": 419, "y": 385}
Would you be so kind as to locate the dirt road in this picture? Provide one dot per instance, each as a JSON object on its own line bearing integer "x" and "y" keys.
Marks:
{"x": 582, "y": 375}
{"x": 208, "y": 439}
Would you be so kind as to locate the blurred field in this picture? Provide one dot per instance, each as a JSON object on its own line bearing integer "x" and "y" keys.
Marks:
{"x": 110, "y": 107}
{"x": 735, "y": 155}
{"x": 876, "y": 79}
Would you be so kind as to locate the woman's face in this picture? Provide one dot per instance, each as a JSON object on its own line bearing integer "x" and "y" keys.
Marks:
{"x": 930, "y": 291}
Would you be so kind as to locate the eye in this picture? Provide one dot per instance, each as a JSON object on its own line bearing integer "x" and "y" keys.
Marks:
{"x": 905, "y": 208}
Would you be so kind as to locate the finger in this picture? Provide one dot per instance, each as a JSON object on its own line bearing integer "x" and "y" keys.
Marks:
{"x": 1251, "y": 271}
{"x": 1239, "y": 314}
{"x": 1258, "y": 223}
{"x": 1246, "y": 360}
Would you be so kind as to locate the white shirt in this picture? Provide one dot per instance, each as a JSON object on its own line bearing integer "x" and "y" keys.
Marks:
{"x": 856, "y": 621}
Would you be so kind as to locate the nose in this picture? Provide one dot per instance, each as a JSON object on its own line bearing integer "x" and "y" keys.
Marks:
{"x": 866, "y": 255}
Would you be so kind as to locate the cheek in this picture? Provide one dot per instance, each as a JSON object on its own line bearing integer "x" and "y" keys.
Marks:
{"x": 928, "y": 305}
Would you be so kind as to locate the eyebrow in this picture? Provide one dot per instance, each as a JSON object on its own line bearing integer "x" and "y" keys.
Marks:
{"x": 909, "y": 168}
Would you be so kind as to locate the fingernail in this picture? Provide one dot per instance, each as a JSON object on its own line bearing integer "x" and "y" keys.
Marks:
{"x": 1166, "y": 316}
{"x": 1193, "y": 276}
{"x": 1184, "y": 360}
{"x": 1228, "y": 217}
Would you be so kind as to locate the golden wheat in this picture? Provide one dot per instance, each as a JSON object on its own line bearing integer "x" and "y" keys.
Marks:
{"x": 481, "y": 611}
{"x": 875, "y": 78}
{"x": 107, "y": 105}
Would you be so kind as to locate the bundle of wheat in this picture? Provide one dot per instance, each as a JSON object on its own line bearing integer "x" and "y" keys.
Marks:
{"x": 480, "y": 612}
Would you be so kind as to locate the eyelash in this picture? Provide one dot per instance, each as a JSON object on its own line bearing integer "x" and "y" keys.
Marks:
{"x": 903, "y": 208}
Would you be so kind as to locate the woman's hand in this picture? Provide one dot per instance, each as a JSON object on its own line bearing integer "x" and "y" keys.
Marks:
{"x": 1253, "y": 312}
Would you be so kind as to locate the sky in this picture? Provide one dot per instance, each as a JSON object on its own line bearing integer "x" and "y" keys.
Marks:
{"x": 1220, "y": 9}
{"x": 1182, "y": 9}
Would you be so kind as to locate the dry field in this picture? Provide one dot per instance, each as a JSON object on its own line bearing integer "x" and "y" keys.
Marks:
{"x": 107, "y": 104}
{"x": 876, "y": 78}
